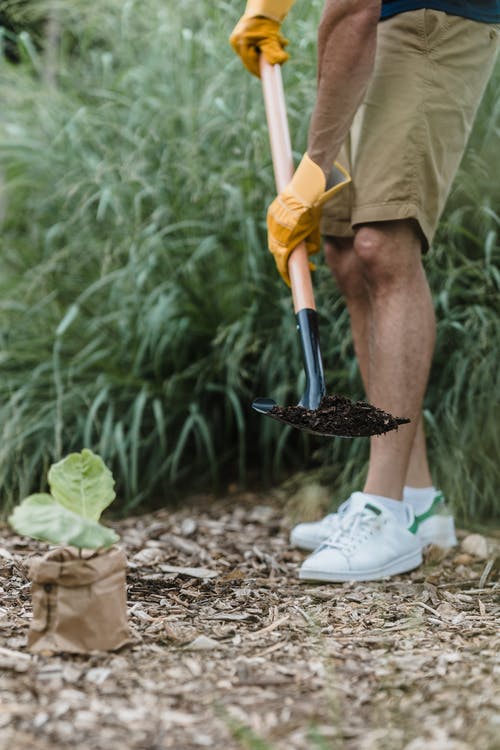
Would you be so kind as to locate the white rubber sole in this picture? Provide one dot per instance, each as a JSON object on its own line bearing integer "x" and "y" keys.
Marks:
{"x": 394, "y": 568}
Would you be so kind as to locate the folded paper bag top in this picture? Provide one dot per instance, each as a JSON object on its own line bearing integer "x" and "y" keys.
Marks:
{"x": 64, "y": 566}
{"x": 79, "y": 604}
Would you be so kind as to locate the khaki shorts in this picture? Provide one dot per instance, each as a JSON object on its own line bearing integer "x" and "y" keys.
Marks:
{"x": 409, "y": 135}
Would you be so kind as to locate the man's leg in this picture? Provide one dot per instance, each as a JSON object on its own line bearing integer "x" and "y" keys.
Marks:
{"x": 401, "y": 339}
{"x": 418, "y": 473}
{"x": 392, "y": 320}
{"x": 376, "y": 534}
{"x": 368, "y": 300}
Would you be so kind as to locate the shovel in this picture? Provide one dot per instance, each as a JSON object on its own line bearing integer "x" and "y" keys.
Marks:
{"x": 331, "y": 416}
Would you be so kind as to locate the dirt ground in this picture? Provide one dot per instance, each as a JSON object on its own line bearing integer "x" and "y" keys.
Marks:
{"x": 231, "y": 651}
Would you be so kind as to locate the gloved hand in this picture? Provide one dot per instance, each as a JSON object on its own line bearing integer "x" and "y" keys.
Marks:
{"x": 258, "y": 32}
{"x": 295, "y": 213}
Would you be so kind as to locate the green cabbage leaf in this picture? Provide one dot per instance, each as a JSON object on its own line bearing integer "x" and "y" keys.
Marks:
{"x": 81, "y": 488}
{"x": 41, "y": 517}
{"x": 82, "y": 483}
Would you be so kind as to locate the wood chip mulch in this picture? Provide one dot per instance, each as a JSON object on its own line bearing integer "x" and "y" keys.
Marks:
{"x": 231, "y": 651}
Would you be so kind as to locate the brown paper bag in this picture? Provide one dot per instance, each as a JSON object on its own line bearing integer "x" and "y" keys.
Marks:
{"x": 79, "y": 603}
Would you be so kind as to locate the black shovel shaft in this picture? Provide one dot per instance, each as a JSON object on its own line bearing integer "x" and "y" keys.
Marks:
{"x": 307, "y": 326}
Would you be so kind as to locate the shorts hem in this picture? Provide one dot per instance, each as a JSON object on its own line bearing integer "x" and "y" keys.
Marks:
{"x": 375, "y": 212}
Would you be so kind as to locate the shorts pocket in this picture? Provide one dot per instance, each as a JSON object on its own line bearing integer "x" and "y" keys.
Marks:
{"x": 436, "y": 24}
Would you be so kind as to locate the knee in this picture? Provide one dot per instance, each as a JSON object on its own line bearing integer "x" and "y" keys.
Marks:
{"x": 387, "y": 251}
{"x": 344, "y": 265}
{"x": 373, "y": 247}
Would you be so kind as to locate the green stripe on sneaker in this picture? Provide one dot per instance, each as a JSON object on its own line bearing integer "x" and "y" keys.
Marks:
{"x": 414, "y": 527}
{"x": 431, "y": 510}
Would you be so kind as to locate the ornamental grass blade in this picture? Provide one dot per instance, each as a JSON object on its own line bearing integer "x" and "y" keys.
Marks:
{"x": 82, "y": 483}
{"x": 41, "y": 517}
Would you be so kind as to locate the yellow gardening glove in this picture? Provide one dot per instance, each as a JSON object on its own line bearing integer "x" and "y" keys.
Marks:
{"x": 295, "y": 213}
{"x": 258, "y": 32}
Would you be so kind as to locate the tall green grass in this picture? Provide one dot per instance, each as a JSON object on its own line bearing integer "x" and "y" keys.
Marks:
{"x": 139, "y": 310}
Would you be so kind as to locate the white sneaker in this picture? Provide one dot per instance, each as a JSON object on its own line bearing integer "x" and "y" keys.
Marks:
{"x": 434, "y": 526}
{"x": 310, "y": 535}
{"x": 369, "y": 543}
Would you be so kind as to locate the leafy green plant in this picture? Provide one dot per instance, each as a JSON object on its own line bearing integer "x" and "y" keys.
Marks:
{"x": 81, "y": 488}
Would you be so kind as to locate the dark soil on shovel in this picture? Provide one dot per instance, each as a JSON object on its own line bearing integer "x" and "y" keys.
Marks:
{"x": 338, "y": 415}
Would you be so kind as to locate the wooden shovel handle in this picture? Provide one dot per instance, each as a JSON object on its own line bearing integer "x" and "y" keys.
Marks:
{"x": 281, "y": 151}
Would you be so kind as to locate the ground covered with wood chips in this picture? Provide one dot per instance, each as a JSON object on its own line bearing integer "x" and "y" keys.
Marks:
{"x": 231, "y": 651}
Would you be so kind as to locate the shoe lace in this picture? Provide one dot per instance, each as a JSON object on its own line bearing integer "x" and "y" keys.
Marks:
{"x": 332, "y": 519}
{"x": 353, "y": 530}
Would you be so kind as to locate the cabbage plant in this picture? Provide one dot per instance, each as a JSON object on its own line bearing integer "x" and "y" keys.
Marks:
{"x": 81, "y": 487}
